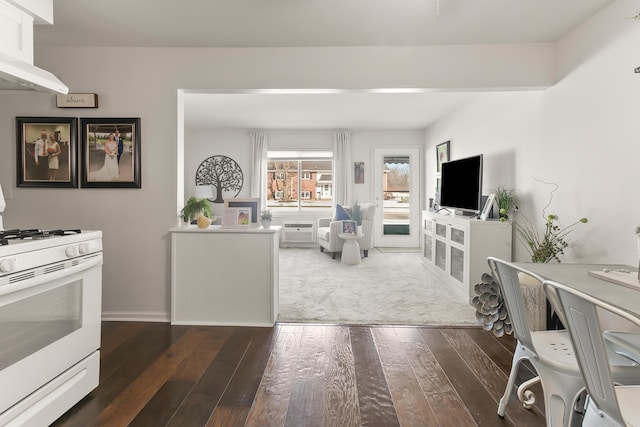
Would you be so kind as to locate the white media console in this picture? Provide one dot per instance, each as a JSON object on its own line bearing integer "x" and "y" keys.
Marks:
{"x": 457, "y": 247}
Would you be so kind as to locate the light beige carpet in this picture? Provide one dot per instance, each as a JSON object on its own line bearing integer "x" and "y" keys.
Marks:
{"x": 385, "y": 288}
{"x": 398, "y": 250}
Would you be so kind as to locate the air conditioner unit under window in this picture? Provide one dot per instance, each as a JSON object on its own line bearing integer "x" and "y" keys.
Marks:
{"x": 299, "y": 232}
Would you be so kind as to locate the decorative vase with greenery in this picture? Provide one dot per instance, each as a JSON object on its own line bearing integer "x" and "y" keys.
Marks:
{"x": 194, "y": 208}
{"x": 552, "y": 242}
{"x": 356, "y": 215}
{"x": 506, "y": 201}
{"x": 266, "y": 217}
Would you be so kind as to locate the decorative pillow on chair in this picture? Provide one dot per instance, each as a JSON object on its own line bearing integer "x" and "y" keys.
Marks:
{"x": 342, "y": 214}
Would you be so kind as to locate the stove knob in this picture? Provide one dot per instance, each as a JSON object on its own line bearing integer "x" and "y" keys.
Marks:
{"x": 83, "y": 248}
{"x": 71, "y": 251}
{"x": 8, "y": 265}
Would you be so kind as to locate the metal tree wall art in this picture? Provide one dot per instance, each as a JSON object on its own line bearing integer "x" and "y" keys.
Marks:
{"x": 490, "y": 308}
{"x": 223, "y": 173}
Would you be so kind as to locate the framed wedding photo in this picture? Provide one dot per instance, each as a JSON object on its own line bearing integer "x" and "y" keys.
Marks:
{"x": 111, "y": 154}
{"x": 47, "y": 152}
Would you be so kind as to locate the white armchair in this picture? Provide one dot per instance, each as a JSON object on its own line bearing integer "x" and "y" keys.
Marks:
{"x": 329, "y": 228}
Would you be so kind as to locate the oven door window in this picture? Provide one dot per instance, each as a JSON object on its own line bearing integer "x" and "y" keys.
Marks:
{"x": 32, "y": 323}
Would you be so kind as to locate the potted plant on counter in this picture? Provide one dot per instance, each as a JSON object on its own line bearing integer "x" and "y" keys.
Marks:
{"x": 194, "y": 209}
{"x": 266, "y": 217}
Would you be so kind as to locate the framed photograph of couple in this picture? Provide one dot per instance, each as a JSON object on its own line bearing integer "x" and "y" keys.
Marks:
{"x": 110, "y": 152}
{"x": 47, "y": 152}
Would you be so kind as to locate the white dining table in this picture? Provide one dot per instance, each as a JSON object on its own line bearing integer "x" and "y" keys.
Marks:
{"x": 625, "y": 297}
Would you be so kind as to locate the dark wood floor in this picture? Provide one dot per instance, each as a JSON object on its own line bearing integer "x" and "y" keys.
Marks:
{"x": 154, "y": 374}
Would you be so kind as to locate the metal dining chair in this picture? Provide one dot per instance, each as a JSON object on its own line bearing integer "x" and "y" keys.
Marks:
{"x": 607, "y": 404}
{"x": 550, "y": 353}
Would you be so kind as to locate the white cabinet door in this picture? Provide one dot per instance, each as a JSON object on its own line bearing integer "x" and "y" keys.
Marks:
{"x": 16, "y": 33}
{"x": 460, "y": 247}
{"x": 427, "y": 238}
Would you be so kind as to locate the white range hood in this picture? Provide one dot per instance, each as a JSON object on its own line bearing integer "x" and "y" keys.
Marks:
{"x": 19, "y": 75}
{"x": 17, "y": 71}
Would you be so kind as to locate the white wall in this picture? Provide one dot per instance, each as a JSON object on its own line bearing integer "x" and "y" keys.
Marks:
{"x": 580, "y": 134}
{"x": 203, "y": 143}
{"x": 143, "y": 82}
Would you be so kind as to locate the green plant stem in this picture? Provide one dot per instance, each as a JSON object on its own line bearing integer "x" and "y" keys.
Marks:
{"x": 551, "y": 244}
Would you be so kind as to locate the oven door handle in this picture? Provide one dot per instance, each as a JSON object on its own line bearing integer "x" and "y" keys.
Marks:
{"x": 40, "y": 276}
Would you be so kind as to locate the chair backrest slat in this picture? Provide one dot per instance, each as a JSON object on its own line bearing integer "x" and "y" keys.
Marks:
{"x": 581, "y": 316}
{"x": 506, "y": 274}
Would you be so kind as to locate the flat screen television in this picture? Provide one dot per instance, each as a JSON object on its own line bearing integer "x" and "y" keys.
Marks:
{"x": 461, "y": 184}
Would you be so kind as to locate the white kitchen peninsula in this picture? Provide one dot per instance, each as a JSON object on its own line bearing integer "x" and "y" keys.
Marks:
{"x": 224, "y": 276}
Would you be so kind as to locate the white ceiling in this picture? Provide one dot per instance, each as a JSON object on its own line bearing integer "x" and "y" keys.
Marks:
{"x": 301, "y": 23}
{"x": 286, "y": 23}
{"x": 320, "y": 111}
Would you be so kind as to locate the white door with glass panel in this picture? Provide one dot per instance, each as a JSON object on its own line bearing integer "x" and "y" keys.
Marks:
{"x": 397, "y": 197}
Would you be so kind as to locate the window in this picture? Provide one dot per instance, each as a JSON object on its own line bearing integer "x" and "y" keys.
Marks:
{"x": 298, "y": 181}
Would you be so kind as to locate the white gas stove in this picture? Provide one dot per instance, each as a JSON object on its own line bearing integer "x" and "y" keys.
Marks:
{"x": 22, "y": 250}
{"x": 2, "y": 206}
{"x": 50, "y": 314}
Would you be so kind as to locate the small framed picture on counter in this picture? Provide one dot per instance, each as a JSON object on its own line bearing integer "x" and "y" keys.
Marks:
{"x": 244, "y": 217}
{"x": 251, "y": 204}
{"x": 236, "y": 218}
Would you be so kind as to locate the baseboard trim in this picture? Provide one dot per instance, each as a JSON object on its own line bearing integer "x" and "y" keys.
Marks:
{"x": 400, "y": 250}
{"x": 133, "y": 316}
{"x": 299, "y": 245}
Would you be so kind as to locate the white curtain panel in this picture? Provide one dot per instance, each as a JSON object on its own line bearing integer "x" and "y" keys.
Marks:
{"x": 341, "y": 155}
{"x": 259, "y": 166}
